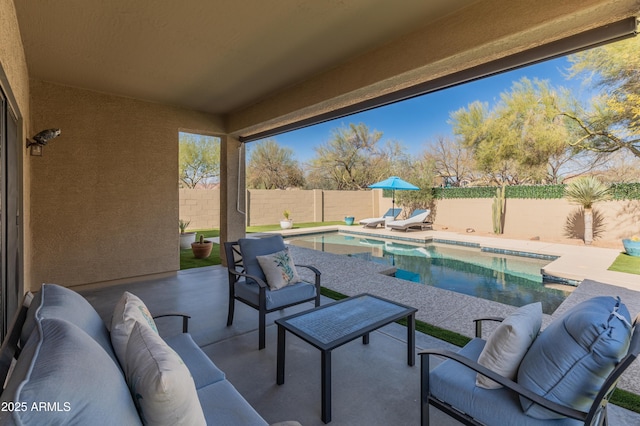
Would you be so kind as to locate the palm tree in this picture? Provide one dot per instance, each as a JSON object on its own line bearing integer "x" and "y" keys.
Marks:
{"x": 587, "y": 191}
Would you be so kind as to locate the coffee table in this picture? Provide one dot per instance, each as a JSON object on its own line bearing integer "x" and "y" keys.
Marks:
{"x": 330, "y": 326}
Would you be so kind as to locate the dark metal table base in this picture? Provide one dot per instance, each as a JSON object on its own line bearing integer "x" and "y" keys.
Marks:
{"x": 330, "y": 326}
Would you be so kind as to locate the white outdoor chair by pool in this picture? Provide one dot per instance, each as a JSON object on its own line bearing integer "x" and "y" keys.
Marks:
{"x": 373, "y": 222}
{"x": 417, "y": 220}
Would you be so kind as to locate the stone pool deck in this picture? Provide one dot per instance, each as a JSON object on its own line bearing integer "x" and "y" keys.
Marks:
{"x": 454, "y": 311}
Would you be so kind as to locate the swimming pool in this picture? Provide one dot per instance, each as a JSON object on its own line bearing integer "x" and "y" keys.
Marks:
{"x": 513, "y": 280}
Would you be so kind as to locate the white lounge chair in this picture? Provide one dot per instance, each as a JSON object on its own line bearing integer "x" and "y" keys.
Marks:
{"x": 418, "y": 220}
{"x": 373, "y": 222}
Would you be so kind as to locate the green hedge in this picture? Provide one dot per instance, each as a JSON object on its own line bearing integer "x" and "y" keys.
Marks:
{"x": 544, "y": 192}
{"x": 625, "y": 191}
{"x": 518, "y": 191}
{"x": 619, "y": 191}
{"x": 468, "y": 192}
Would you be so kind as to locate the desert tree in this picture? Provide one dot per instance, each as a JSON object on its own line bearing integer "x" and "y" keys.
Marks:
{"x": 612, "y": 121}
{"x": 272, "y": 166}
{"x": 520, "y": 138}
{"x": 199, "y": 159}
{"x": 450, "y": 160}
{"x": 352, "y": 159}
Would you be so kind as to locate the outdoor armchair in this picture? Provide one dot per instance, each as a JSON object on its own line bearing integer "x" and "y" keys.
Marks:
{"x": 373, "y": 222}
{"x": 249, "y": 284}
{"x": 566, "y": 377}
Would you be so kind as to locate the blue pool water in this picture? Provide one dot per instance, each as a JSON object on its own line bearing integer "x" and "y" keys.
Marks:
{"x": 513, "y": 280}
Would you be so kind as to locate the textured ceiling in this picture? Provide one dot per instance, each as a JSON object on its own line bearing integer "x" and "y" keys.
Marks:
{"x": 209, "y": 55}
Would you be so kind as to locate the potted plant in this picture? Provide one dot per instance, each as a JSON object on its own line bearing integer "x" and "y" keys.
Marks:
{"x": 202, "y": 248}
{"x": 632, "y": 245}
{"x": 186, "y": 238}
{"x": 348, "y": 220}
{"x": 286, "y": 223}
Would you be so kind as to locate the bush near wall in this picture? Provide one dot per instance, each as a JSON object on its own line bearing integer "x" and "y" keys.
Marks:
{"x": 619, "y": 191}
{"x": 626, "y": 191}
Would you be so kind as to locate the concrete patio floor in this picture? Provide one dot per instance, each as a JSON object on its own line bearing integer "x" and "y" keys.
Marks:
{"x": 372, "y": 384}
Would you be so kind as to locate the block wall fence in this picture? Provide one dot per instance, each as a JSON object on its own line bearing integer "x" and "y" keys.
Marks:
{"x": 551, "y": 218}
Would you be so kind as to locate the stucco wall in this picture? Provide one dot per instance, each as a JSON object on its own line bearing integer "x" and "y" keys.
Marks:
{"x": 201, "y": 207}
{"x": 264, "y": 207}
{"x": 104, "y": 197}
{"x": 524, "y": 218}
{"x": 360, "y": 204}
{"x": 14, "y": 80}
{"x": 613, "y": 220}
{"x": 12, "y": 58}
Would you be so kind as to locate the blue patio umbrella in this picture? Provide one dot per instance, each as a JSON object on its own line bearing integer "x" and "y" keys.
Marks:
{"x": 393, "y": 183}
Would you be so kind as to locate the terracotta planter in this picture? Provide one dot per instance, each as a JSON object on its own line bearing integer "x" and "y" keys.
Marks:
{"x": 201, "y": 249}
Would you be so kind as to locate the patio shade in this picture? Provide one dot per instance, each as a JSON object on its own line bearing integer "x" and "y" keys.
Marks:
{"x": 393, "y": 183}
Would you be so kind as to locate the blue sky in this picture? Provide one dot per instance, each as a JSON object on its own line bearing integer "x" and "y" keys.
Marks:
{"x": 416, "y": 121}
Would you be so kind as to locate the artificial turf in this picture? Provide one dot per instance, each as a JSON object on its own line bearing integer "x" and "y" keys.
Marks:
{"x": 626, "y": 263}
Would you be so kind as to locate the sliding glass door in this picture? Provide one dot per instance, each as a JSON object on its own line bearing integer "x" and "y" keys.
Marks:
{"x": 10, "y": 204}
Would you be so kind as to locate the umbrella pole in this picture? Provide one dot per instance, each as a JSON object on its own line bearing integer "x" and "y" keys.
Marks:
{"x": 393, "y": 200}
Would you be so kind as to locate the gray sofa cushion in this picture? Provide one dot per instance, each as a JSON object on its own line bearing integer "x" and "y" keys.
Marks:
{"x": 54, "y": 301}
{"x": 63, "y": 366}
{"x": 204, "y": 371}
{"x": 456, "y": 384}
{"x": 223, "y": 405}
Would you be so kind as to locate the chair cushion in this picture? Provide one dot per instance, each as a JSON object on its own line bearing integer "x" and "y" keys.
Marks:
{"x": 288, "y": 295}
{"x": 456, "y": 384}
{"x": 224, "y": 406}
{"x": 203, "y": 370}
{"x": 413, "y": 220}
{"x": 279, "y": 269}
{"x": 570, "y": 360}
{"x": 55, "y": 301}
{"x": 129, "y": 310}
{"x": 162, "y": 387}
{"x": 509, "y": 343}
{"x": 63, "y": 366}
{"x": 251, "y": 248}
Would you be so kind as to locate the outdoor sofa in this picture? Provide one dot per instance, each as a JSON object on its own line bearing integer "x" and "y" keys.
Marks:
{"x": 69, "y": 369}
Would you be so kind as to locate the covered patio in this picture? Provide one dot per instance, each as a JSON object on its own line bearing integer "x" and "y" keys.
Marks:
{"x": 98, "y": 210}
{"x": 390, "y": 396}
{"x": 122, "y": 80}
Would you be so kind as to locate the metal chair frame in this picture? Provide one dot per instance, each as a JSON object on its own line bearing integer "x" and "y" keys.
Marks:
{"x": 597, "y": 414}
{"x": 236, "y": 271}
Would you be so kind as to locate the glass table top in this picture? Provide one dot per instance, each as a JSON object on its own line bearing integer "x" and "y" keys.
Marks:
{"x": 340, "y": 319}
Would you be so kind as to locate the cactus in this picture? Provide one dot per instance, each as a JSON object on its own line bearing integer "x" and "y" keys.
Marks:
{"x": 498, "y": 206}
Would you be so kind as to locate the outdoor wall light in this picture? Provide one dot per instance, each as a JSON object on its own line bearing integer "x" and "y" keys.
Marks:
{"x": 41, "y": 139}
